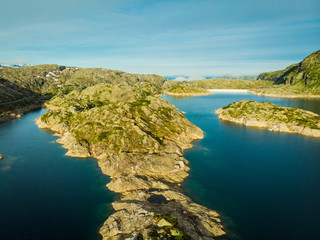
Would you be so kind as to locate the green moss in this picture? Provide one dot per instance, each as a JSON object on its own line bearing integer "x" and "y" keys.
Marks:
{"x": 104, "y": 135}
{"x": 167, "y": 232}
{"x": 265, "y": 111}
{"x": 301, "y": 78}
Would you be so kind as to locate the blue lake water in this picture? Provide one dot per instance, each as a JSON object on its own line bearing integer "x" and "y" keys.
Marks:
{"x": 265, "y": 184}
{"x": 44, "y": 194}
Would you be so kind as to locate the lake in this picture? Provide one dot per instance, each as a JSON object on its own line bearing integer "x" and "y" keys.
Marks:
{"x": 265, "y": 184}
{"x": 43, "y": 193}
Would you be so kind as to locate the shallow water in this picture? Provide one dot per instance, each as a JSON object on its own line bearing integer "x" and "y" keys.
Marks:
{"x": 43, "y": 193}
{"x": 265, "y": 184}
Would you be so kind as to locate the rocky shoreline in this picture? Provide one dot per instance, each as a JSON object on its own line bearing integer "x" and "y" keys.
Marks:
{"x": 251, "y": 117}
{"x": 148, "y": 179}
{"x": 19, "y": 112}
{"x": 188, "y": 94}
{"x": 285, "y": 95}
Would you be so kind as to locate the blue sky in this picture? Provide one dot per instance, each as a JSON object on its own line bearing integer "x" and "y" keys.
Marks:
{"x": 166, "y": 37}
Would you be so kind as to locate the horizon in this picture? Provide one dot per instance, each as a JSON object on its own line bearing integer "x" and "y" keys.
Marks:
{"x": 168, "y": 38}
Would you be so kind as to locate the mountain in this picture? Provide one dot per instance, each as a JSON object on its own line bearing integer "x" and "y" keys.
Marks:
{"x": 303, "y": 74}
{"x": 31, "y": 85}
{"x": 51, "y": 79}
{"x": 14, "y": 65}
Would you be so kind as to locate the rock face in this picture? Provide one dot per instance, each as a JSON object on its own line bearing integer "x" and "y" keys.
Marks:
{"x": 272, "y": 117}
{"x": 139, "y": 141}
{"x": 18, "y": 112}
{"x": 305, "y": 73}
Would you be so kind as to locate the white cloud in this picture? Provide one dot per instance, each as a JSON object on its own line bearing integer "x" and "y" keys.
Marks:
{"x": 195, "y": 77}
{"x": 180, "y": 78}
{"x": 188, "y": 78}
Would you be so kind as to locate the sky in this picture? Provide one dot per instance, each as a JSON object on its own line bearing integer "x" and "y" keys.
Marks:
{"x": 165, "y": 37}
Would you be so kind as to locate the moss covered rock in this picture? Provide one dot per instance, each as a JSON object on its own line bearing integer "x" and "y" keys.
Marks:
{"x": 304, "y": 77}
{"x": 138, "y": 139}
{"x": 275, "y": 118}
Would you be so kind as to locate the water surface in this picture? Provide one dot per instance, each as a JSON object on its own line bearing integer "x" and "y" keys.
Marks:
{"x": 265, "y": 184}
{"x": 43, "y": 193}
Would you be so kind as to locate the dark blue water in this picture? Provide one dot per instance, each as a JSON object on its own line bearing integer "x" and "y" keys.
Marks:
{"x": 265, "y": 184}
{"x": 44, "y": 194}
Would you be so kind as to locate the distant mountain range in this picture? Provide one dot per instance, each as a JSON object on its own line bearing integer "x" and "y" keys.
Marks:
{"x": 303, "y": 74}
{"x": 14, "y": 65}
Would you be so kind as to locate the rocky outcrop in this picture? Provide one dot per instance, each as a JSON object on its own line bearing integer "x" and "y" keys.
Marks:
{"x": 272, "y": 117}
{"x": 18, "y": 112}
{"x": 305, "y": 73}
{"x": 139, "y": 142}
{"x": 22, "y": 88}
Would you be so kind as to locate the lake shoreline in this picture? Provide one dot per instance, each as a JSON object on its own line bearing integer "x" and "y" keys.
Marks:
{"x": 251, "y": 116}
{"x": 19, "y": 112}
{"x": 187, "y": 94}
{"x": 136, "y": 191}
{"x": 307, "y": 96}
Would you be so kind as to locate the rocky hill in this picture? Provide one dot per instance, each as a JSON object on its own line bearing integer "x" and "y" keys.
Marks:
{"x": 272, "y": 117}
{"x": 200, "y": 87}
{"x": 138, "y": 139}
{"x": 22, "y": 89}
{"x": 303, "y": 74}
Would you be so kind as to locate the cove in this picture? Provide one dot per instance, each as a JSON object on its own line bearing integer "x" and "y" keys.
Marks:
{"x": 43, "y": 193}
{"x": 265, "y": 184}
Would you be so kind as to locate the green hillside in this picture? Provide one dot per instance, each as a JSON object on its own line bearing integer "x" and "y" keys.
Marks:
{"x": 303, "y": 74}
{"x": 21, "y": 88}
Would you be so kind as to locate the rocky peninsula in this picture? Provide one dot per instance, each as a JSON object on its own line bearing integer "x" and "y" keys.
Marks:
{"x": 139, "y": 140}
{"x": 272, "y": 117}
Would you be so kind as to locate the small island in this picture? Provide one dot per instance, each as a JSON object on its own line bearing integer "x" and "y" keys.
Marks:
{"x": 1, "y": 157}
{"x": 272, "y": 117}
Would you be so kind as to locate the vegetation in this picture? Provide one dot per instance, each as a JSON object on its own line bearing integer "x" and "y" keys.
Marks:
{"x": 182, "y": 87}
{"x": 166, "y": 228}
{"x": 213, "y": 83}
{"x": 37, "y": 83}
{"x": 241, "y": 76}
{"x": 265, "y": 111}
{"x": 117, "y": 118}
{"x": 288, "y": 90}
{"x": 301, "y": 78}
